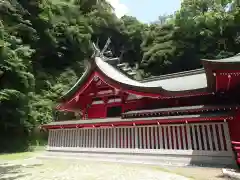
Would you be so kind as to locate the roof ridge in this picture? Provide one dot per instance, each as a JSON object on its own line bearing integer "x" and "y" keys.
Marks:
{"x": 232, "y": 59}
{"x": 173, "y": 75}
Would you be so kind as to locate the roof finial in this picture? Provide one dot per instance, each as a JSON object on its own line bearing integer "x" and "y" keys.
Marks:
{"x": 106, "y": 46}
{"x": 96, "y": 50}
{"x": 101, "y": 53}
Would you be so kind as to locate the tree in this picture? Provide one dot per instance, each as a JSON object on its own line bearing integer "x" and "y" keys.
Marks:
{"x": 159, "y": 49}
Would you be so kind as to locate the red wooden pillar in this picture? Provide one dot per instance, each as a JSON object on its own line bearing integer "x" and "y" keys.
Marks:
{"x": 105, "y": 99}
{"x": 84, "y": 113}
{"x": 234, "y": 127}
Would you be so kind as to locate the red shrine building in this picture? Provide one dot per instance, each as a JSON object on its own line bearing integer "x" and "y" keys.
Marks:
{"x": 190, "y": 117}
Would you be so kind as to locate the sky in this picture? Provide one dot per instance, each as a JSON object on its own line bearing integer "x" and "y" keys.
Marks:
{"x": 145, "y": 10}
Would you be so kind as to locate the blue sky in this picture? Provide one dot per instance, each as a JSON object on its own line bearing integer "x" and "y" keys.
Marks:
{"x": 145, "y": 10}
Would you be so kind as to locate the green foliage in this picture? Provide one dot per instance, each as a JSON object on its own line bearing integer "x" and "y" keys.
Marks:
{"x": 159, "y": 48}
{"x": 43, "y": 44}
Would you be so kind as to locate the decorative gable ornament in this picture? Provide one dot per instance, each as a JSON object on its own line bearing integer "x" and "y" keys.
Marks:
{"x": 95, "y": 78}
{"x": 99, "y": 83}
{"x": 116, "y": 91}
{"x": 77, "y": 98}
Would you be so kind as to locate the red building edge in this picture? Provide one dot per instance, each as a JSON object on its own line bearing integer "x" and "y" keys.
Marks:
{"x": 194, "y": 111}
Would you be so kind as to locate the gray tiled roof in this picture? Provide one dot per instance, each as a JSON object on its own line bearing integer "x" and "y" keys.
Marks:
{"x": 232, "y": 59}
{"x": 182, "y": 83}
{"x": 174, "y": 75}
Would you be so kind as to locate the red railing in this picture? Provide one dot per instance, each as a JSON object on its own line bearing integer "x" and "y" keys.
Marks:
{"x": 236, "y": 150}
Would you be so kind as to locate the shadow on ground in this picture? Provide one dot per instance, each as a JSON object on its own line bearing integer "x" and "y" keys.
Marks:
{"x": 14, "y": 172}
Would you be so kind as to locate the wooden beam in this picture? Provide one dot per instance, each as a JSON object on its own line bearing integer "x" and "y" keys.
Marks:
{"x": 229, "y": 81}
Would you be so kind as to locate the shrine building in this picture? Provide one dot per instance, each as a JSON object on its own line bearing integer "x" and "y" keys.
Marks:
{"x": 190, "y": 117}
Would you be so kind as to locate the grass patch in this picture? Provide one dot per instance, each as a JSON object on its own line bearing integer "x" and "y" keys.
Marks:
{"x": 15, "y": 156}
{"x": 22, "y": 155}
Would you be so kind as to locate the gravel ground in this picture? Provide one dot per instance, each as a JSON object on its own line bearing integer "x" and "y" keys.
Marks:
{"x": 199, "y": 173}
{"x": 60, "y": 169}
{"x": 34, "y": 169}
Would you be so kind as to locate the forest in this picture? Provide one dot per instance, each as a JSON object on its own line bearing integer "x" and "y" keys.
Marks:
{"x": 44, "y": 43}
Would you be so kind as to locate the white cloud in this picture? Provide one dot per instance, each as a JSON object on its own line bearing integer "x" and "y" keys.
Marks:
{"x": 119, "y": 8}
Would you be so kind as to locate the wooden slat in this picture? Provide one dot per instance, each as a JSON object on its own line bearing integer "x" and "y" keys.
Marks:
{"x": 62, "y": 138}
{"x": 75, "y": 137}
{"x": 170, "y": 137}
{"x": 204, "y": 138}
{"x": 194, "y": 137}
{"x": 54, "y": 138}
{"x": 110, "y": 138}
{"x": 87, "y": 137}
{"x": 148, "y": 138}
{"x": 210, "y": 140}
{"x": 122, "y": 138}
{"x": 220, "y": 133}
{"x": 49, "y": 137}
{"x": 215, "y": 137}
{"x": 144, "y": 138}
{"x": 184, "y": 138}
{"x": 93, "y": 137}
{"x": 199, "y": 137}
{"x": 125, "y": 138}
{"x": 160, "y": 137}
{"x": 152, "y": 138}
{"x": 174, "y": 137}
{"x": 66, "y": 138}
{"x": 156, "y": 137}
{"x": 107, "y": 137}
{"x": 129, "y": 138}
{"x": 99, "y": 137}
{"x": 165, "y": 137}
{"x": 114, "y": 137}
{"x": 227, "y": 137}
{"x": 140, "y": 138}
{"x": 82, "y": 138}
{"x": 118, "y": 138}
{"x": 132, "y": 138}
{"x": 179, "y": 137}
{"x": 103, "y": 138}
{"x": 189, "y": 141}
{"x": 136, "y": 137}
{"x": 72, "y": 137}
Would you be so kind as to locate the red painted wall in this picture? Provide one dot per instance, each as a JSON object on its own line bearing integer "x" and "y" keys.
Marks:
{"x": 96, "y": 111}
{"x": 234, "y": 127}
